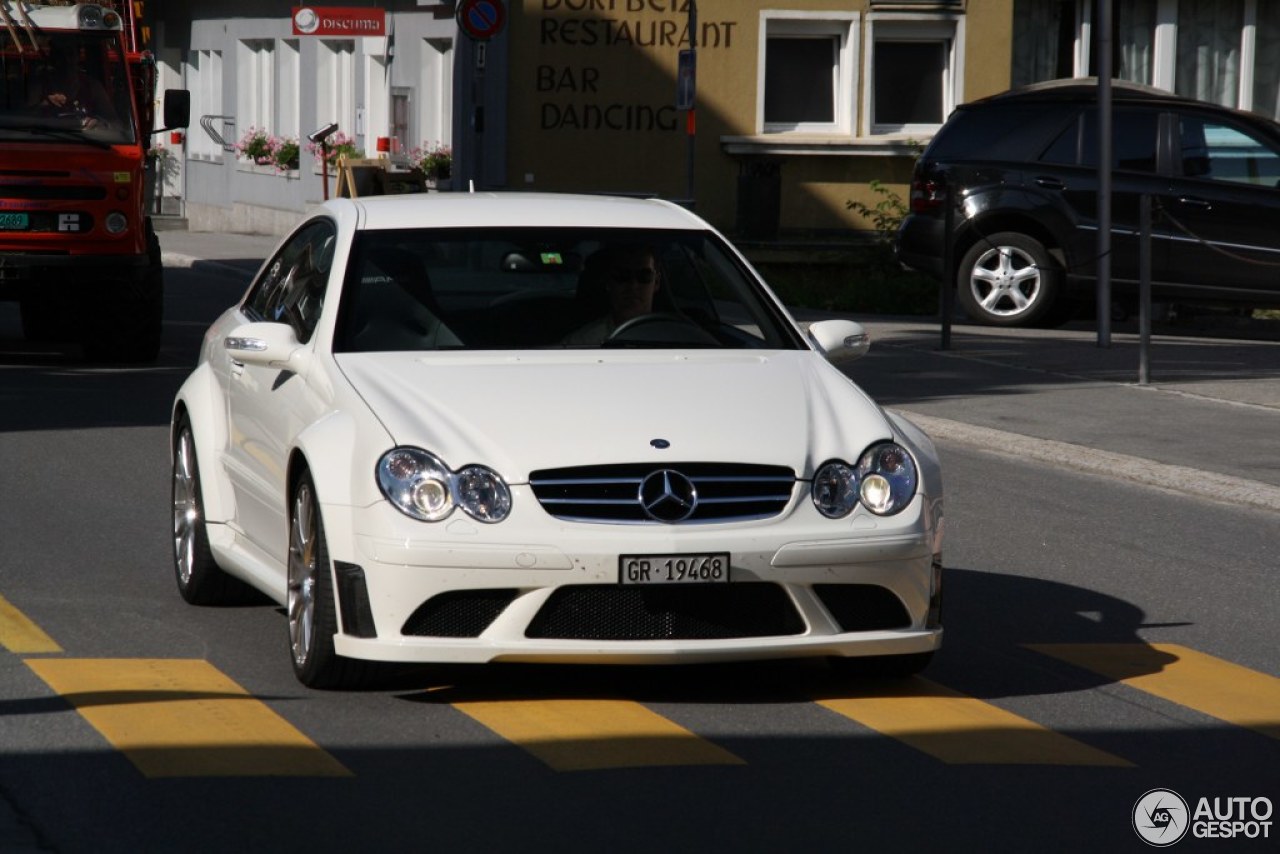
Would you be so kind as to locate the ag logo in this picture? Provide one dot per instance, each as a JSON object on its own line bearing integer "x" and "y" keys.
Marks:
{"x": 1160, "y": 817}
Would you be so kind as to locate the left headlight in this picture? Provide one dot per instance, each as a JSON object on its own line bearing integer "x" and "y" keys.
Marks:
{"x": 420, "y": 485}
{"x": 883, "y": 481}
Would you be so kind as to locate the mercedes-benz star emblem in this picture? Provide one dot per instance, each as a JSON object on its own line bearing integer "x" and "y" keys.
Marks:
{"x": 668, "y": 496}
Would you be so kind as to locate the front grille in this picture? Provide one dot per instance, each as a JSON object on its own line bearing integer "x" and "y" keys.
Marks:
{"x": 725, "y": 492}
{"x": 863, "y": 607}
{"x": 685, "y": 612}
{"x": 458, "y": 613}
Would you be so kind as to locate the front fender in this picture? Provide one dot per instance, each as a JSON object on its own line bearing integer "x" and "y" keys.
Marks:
{"x": 202, "y": 398}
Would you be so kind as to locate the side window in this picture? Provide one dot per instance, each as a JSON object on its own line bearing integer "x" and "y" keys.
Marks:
{"x": 1134, "y": 137}
{"x": 1222, "y": 152}
{"x": 292, "y": 288}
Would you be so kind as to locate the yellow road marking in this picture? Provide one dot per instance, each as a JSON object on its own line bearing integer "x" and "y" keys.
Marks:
{"x": 578, "y": 735}
{"x": 18, "y": 634}
{"x": 184, "y": 718}
{"x": 1184, "y": 676}
{"x": 961, "y": 730}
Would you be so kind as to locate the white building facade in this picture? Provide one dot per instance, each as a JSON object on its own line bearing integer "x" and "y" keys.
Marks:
{"x": 251, "y": 73}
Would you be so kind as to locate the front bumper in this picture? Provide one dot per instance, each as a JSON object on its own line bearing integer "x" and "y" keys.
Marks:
{"x": 540, "y": 590}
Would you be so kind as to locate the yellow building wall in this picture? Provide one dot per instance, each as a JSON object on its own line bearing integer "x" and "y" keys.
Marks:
{"x": 592, "y": 92}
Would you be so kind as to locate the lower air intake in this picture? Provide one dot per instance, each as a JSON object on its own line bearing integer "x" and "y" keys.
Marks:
{"x": 688, "y": 612}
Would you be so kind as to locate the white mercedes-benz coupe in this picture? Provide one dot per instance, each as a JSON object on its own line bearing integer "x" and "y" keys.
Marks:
{"x": 546, "y": 428}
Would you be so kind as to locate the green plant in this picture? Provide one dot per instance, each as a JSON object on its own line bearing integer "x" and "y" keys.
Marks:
{"x": 885, "y": 215}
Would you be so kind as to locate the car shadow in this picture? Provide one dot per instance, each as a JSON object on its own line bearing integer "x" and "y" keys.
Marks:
{"x": 991, "y": 619}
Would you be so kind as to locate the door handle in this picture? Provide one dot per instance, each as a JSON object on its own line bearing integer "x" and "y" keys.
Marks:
{"x": 1050, "y": 183}
{"x": 1195, "y": 202}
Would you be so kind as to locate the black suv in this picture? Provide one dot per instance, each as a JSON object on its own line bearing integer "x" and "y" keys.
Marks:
{"x": 1022, "y": 168}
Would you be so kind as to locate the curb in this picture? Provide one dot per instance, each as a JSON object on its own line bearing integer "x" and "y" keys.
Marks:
{"x": 1180, "y": 479}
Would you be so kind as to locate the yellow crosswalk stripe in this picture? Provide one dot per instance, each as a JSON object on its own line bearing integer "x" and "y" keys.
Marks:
{"x": 183, "y": 718}
{"x": 1218, "y": 688}
{"x": 18, "y": 634}
{"x": 577, "y": 735}
{"x": 962, "y": 730}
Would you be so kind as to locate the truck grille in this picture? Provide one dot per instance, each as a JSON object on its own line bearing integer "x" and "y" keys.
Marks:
{"x": 674, "y": 493}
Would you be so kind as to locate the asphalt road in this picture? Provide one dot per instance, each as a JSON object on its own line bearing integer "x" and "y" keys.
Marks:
{"x": 1104, "y": 638}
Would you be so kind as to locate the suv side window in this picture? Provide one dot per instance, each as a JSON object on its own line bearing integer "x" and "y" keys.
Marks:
{"x": 1134, "y": 138}
{"x": 292, "y": 288}
{"x": 1223, "y": 152}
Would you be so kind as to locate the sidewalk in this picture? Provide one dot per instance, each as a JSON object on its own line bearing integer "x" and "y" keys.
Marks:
{"x": 1208, "y": 423}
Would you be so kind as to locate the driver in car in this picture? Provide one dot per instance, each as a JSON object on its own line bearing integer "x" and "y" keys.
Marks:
{"x": 628, "y": 275}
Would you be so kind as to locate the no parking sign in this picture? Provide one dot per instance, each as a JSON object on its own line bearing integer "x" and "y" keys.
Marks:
{"x": 481, "y": 20}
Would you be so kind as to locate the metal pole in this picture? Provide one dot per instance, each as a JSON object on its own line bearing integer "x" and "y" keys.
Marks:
{"x": 1104, "y": 173}
{"x": 948, "y": 296}
{"x": 691, "y": 121}
{"x": 1144, "y": 289}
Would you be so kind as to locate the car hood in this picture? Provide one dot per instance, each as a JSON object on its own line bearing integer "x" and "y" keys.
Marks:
{"x": 523, "y": 412}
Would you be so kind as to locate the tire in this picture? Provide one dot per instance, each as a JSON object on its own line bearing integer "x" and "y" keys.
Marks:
{"x": 1009, "y": 279}
{"x": 881, "y": 666}
{"x": 200, "y": 580}
{"x": 312, "y": 613}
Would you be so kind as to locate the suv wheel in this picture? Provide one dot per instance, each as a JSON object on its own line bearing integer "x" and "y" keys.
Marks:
{"x": 1008, "y": 279}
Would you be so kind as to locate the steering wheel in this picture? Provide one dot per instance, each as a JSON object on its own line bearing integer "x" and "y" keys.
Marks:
{"x": 662, "y": 327}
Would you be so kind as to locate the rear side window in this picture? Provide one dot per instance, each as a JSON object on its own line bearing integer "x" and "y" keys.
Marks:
{"x": 1009, "y": 131}
{"x": 1224, "y": 152}
{"x": 1134, "y": 138}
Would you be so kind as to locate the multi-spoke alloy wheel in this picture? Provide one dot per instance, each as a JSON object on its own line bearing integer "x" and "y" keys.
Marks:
{"x": 1008, "y": 279}
{"x": 200, "y": 580}
{"x": 303, "y": 567}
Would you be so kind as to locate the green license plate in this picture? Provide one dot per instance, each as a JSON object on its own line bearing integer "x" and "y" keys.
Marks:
{"x": 14, "y": 221}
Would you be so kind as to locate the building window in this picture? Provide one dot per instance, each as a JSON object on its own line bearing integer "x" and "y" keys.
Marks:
{"x": 255, "y": 85}
{"x": 806, "y": 72}
{"x": 204, "y": 73}
{"x": 335, "y": 85}
{"x": 1044, "y": 39}
{"x": 435, "y": 119}
{"x": 1223, "y": 51}
{"x": 288, "y": 112}
{"x": 1266, "y": 66}
{"x": 914, "y": 72}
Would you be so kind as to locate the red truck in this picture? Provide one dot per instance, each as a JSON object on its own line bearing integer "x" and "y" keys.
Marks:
{"x": 78, "y": 250}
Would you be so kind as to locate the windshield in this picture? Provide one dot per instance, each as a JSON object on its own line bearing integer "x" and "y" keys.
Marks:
{"x": 69, "y": 86}
{"x": 552, "y": 288}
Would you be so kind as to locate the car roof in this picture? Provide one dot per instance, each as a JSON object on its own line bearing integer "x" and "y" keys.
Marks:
{"x": 514, "y": 209}
{"x": 1083, "y": 89}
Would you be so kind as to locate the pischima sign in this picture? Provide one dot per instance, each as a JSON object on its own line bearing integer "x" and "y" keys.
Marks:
{"x": 338, "y": 21}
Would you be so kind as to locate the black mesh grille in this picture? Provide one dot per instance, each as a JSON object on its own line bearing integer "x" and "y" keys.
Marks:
{"x": 685, "y": 612}
{"x": 458, "y": 613}
{"x": 863, "y": 607}
{"x": 725, "y": 491}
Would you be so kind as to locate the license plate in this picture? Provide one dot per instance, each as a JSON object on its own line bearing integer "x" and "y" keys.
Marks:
{"x": 673, "y": 569}
{"x": 14, "y": 222}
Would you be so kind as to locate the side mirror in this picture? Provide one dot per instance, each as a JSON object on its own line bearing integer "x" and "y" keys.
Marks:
{"x": 839, "y": 340}
{"x": 264, "y": 344}
{"x": 177, "y": 108}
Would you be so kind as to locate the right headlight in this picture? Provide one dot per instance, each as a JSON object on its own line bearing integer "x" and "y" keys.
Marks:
{"x": 420, "y": 485}
{"x": 886, "y": 478}
{"x": 883, "y": 481}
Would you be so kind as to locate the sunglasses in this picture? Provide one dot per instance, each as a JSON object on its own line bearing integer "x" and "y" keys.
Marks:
{"x": 640, "y": 275}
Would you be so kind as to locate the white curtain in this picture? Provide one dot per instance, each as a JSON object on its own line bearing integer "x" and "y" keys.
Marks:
{"x": 1208, "y": 60}
{"x": 1266, "y": 64}
{"x": 1036, "y": 24}
{"x": 1135, "y": 37}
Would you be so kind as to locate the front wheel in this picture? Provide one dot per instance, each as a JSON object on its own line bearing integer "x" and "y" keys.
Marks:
{"x": 1009, "y": 279}
{"x": 313, "y": 616}
{"x": 200, "y": 580}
